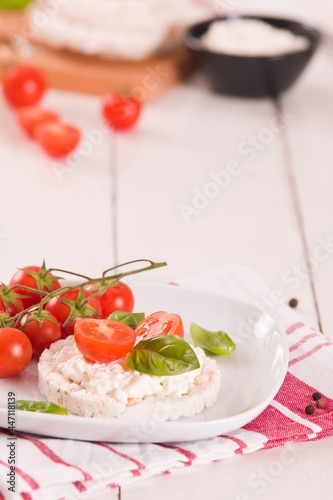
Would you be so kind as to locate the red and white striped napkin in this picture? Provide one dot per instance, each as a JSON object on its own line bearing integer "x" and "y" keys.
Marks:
{"x": 53, "y": 468}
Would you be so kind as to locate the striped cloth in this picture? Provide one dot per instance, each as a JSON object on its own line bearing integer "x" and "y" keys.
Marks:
{"x": 54, "y": 469}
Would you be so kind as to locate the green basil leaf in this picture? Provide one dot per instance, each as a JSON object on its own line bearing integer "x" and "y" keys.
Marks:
{"x": 215, "y": 342}
{"x": 163, "y": 355}
{"x": 130, "y": 319}
{"x": 13, "y": 4}
{"x": 40, "y": 407}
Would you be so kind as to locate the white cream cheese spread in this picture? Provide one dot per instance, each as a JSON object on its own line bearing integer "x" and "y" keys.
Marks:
{"x": 113, "y": 390}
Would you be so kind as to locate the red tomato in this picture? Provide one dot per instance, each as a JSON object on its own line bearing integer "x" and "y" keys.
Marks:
{"x": 30, "y": 117}
{"x": 160, "y": 323}
{"x": 36, "y": 279}
{"x": 103, "y": 340}
{"x": 116, "y": 298}
{"x": 23, "y": 86}
{"x": 12, "y": 309}
{"x": 41, "y": 336}
{"x": 121, "y": 112}
{"x": 15, "y": 351}
{"x": 62, "y": 311}
{"x": 56, "y": 138}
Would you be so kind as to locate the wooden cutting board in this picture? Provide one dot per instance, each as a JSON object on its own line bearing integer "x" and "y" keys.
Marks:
{"x": 146, "y": 79}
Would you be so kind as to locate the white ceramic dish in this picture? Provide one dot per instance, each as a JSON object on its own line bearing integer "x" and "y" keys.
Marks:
{"x": 251, "y": 376}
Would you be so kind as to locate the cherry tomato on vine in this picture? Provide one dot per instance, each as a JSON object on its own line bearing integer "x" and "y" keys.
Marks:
{"x": 15, "y": 351}
{"x": 11, "y": 299}
{"x": 23, "y": 85}
{"x": 120, "y": 112}
{"x": 37, "y": 278}
{"x": 30, "y": 117}
{"x": 41, "y": 334}
{"x": 103, "y": 341}
{"x": 56, "y": 138}
{"x": 160, "y": 323}
{"x": 115, "y": 298}
{"x": 73, "y": 308}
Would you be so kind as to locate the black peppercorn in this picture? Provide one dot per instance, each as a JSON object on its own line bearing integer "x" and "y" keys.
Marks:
{"x": 320, "y": 403}
{"x": 316, "y": 396}
{"x": 293, "y": 303}
{"x": 309, "y": 409}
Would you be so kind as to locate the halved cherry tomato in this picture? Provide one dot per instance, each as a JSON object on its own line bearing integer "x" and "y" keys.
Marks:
{"x": 116, "y": 298}
{"x": 30, "y": 117}
{"x": 103, "y": 340}
{"x": 121, "y": 112}
{"x": 43, "y": 334}
{"x": 23, "y": 85}
{"x": 33, "y": 277}
{"x": 15, "y": 351}
{"x": 160, "y": 323}
{"x": 56, "y": 138}
{"x": 73, "y": 308}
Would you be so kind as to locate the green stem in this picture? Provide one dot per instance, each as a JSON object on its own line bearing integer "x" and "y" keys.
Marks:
{"x": 21, "y": 287}
{"x": 89, "y": 281}
{"x": 153, "y": 264}
{"x": 68, "y": 272}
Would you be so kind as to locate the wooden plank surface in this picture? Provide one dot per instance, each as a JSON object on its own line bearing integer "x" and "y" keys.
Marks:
{"x": 60, "y": 210}
{"x": 311, "y": 155}
{"x": 168, "y": 163}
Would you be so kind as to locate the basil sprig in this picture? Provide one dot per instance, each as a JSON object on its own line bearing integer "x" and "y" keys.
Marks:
{"x": 214, "y": 342}
{"x": 130, "y": 319}
{"x": 163, "y": 355}
{"x": 40, "y": 407}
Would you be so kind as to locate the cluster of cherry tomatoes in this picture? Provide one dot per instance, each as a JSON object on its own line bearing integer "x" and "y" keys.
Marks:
{"x": 35, "y": 312}
{"x": 26, "y": 330}
{"x": 24, "y": 87}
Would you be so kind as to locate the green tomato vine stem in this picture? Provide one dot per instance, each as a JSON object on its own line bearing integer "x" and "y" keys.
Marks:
{"x": 107, "y": 280}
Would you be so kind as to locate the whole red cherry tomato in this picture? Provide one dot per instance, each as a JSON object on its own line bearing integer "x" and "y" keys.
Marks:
{"x": 73, "y": 309}
{"x": 37, "y": 278}
{"x": 30, "y": 117}
{"x": 115, "y": 298}
{"x": 103, "y": 341}
{"x": 120, "y": 112}
{"x": 23, "y": 85}
{"x": 15, "y": 351}
{"x": 160, "y": 323}
{"x": 41, "y": 333}
{"x": 56, "y": 138}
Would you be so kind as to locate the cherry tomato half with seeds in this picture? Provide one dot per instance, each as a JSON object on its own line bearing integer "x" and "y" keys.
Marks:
{"x": 30, "y": 279}
{"x": 56, "y": 138}
{"x": 61, "y": 310}
{"x": 120, "y": 112}
{"x": 103, "y": 340}
{"x": 30, "y": 117}
{"x": 160, "y": 323}
{"x": 41, "y": 335}
{"x": 115, "y": 298}
{"x": 15, "y": 351}
{"x": 23, "y": 86}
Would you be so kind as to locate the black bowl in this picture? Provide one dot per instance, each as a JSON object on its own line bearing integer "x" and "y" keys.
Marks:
{"x": 244, "y": 76}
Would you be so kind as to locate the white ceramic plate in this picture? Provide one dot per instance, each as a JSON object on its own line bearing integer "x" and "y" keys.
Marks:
{"x": 250, "y": 377}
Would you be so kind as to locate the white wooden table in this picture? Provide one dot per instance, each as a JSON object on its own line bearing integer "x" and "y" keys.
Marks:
{"x": 120, "y": 199}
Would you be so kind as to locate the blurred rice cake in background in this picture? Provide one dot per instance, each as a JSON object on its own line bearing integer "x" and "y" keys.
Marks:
{"x": 95, "y": 46}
